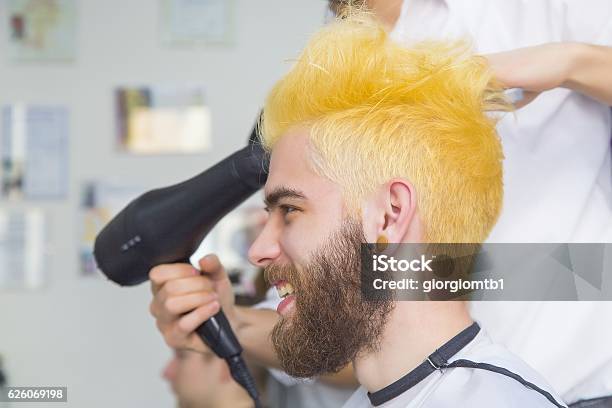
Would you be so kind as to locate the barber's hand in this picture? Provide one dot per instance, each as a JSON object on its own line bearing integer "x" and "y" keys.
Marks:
{"x": 183, "y": 299}
{"x": 534, "y": 69}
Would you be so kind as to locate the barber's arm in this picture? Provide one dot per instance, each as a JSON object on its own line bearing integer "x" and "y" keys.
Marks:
{"x": 253, "y": 328}
{"x": 580, "y": 67}
{"x": 183, "y": 299}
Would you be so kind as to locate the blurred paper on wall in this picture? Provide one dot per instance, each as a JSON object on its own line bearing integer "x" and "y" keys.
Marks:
{"x": 34, "y": 152}
{"x": 41, "y": 30}
{"x": 192, "y": 22}
{"x": 163, "y": 120}
{"x": 231, "y": 239}
{"x": 100, "y": 202}
{"x": 23, "y": 238}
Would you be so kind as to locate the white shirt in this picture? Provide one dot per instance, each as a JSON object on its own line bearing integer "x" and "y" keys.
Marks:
{"x": 557, "y": 172}
{"x": 470, "y": 387}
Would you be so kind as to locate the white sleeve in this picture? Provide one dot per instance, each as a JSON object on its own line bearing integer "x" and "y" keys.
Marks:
{"x": 589, "y": 21}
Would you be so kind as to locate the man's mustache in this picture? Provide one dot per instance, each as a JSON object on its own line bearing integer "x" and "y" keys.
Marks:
{"x": 275, "y": 273}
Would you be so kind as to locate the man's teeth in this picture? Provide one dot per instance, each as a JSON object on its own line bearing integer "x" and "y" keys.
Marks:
{"x": 284, "y": 290}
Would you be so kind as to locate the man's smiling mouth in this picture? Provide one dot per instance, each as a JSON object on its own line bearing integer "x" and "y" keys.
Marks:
{"x": 286, "y": 292}
{"x": 284, "y": 288}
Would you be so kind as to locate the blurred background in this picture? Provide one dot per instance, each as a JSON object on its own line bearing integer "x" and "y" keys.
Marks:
{"x": 104, "y": 79}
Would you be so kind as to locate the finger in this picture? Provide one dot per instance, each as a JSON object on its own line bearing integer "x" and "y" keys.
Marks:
{"x": 184, "y": 286}
{"x": 194, "y": 319}
{"x": 178, "y": 305}
{"x": 176, "y": 289}
{"x": 163, "y": 273}
{"x": 212, "y": 267}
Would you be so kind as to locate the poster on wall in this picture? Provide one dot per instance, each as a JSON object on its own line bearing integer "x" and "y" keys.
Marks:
{"x": 193, "y": 22}
{"x": 23, "y": 240}
{"x": 34, "y": 150}
{"x": 163, "y": 120}
{"x": 41, "y": 30}
{"x": 100, "y": 202}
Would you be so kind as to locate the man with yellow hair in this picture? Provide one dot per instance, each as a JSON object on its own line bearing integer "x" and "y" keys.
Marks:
{"x": 369, "y": 142}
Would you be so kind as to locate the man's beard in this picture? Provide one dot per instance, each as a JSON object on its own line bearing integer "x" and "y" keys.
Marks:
{"x": 331, "y": 324}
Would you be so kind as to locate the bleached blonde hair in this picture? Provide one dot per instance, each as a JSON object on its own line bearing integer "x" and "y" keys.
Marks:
{"x": 376, "y": 110}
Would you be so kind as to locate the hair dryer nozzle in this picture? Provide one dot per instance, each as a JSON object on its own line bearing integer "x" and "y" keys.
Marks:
{"x": 167, "y": 225}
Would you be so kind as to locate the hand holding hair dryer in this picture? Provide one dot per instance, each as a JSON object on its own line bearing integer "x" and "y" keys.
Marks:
{"x": 167, "y": 225}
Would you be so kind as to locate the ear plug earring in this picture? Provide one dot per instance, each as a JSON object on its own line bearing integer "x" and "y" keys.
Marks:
{"x": 381, "y": 243}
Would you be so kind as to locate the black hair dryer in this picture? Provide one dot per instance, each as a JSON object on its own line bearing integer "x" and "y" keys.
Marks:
{"x": 167, "y": 225}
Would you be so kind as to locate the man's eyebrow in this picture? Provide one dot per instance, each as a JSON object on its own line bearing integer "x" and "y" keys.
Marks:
{"x": 273, "y": 197}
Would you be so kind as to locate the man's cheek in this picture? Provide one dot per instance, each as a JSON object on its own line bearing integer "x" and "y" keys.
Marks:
{"x": 296, "y": 246}
{"x": 304, "y": 234}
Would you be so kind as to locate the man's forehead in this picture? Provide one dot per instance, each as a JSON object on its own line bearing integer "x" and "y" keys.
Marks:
{"x": 291, "y": 167}
{"x": 290, "y": 151}
{"x": 289, "y": 163}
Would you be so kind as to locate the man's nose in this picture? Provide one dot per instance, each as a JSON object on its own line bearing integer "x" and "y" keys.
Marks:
{"x": 266, "y": 247}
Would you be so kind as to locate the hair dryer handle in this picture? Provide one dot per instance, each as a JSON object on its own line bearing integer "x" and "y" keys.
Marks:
{"x": 217, "y": 334}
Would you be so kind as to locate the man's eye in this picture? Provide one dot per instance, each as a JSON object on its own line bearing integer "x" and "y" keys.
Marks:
{"x": 287, "y": 209}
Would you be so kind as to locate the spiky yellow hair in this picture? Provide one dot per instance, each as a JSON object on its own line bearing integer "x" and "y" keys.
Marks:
{"x": 376, "y": 110}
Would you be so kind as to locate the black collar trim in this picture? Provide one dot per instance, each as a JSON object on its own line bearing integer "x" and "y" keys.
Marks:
{"x": 437, "y": 359}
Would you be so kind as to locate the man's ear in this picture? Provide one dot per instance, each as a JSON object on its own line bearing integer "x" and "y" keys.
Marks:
{"x": 391, "y": 212}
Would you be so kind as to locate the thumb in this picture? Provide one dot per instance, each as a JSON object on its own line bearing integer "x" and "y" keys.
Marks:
{"x": 211, "y": 267}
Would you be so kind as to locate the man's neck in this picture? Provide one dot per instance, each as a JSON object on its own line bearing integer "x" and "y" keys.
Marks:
{"x": 413, "y": 332}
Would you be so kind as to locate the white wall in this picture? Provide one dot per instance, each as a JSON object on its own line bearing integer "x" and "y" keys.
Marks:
{"x": 88, "y": 334}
